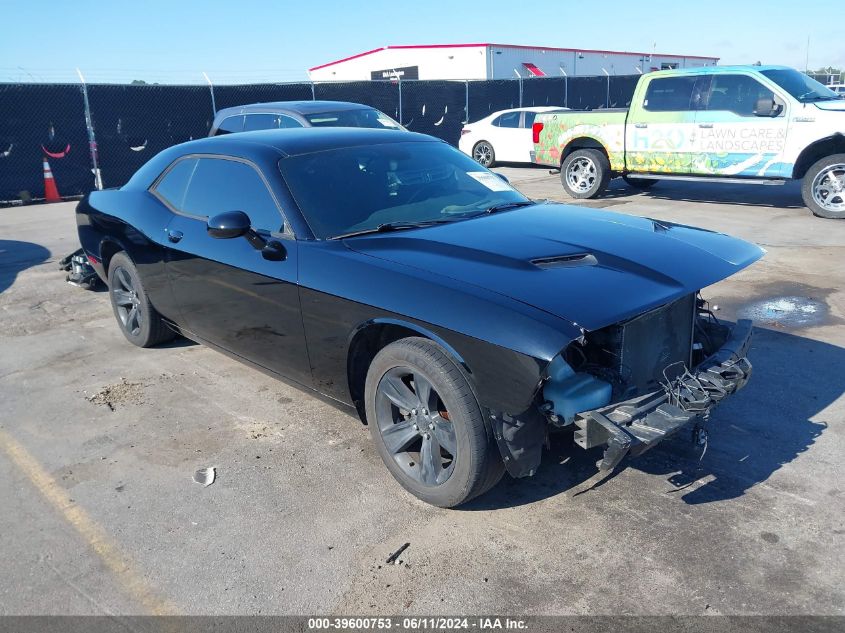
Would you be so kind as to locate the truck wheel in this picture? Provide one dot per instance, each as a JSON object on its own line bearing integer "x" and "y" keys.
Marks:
{"x": 823, "y": 188}
{"x": 585, "y": 173}
{"x": 639, "y": 183}
{"x": 427, "y": 426}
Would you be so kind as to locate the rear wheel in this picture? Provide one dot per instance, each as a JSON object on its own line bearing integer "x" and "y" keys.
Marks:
{"x": 427, "y": 425}
{"x": 483, "y": 154}
{"x": 585, "y": 173}
{"x": 639, "y": 183}
{"x": 823, "y": 188}
{"x": 136, "y": 316}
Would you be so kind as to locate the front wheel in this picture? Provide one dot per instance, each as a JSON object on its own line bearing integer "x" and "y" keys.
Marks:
{"x": 823, "y": 188}
{"x": 427, "y": 425}
{"x": 585, "y": 173}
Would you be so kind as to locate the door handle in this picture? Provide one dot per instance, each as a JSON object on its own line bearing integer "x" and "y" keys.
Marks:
{"x": 641, "y": 125}
{"x": 174, "y": 236}
{"x": 705, "y": 125}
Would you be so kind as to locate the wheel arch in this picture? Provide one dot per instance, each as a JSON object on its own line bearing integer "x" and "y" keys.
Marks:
{"x": 583, "y": 142}
{"x": 109, "y": 247}
{"x": 834, "y": 144}
{"x": 370, "y": 337}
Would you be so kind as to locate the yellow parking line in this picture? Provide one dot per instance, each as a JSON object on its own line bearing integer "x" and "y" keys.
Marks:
{"x": 120, "y": 564}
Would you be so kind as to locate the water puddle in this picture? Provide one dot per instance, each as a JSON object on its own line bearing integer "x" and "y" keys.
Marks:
{"x": 789, "y": 311}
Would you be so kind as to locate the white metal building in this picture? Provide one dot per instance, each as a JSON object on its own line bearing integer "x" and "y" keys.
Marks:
{"x": 495, "y": 61}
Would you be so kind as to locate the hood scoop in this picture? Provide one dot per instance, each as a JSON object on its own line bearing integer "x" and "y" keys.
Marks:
{"x": 566, "y": 261}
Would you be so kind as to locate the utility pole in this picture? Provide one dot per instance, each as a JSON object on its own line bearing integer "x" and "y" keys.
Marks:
{"x": 92, "y": 141}
{"x": 807, "y": 58}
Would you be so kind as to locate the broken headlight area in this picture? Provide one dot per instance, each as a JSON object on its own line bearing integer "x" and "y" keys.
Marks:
{"x": 631, "y": 384}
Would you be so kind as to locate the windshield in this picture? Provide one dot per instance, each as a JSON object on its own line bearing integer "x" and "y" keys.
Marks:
{"x": 799, "y": 85}
{"x": 354, "y": 189}
{"x": 363, "y": 117}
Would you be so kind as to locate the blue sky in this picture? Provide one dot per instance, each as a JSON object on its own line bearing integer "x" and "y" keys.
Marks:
{"x": 249, "y": 40}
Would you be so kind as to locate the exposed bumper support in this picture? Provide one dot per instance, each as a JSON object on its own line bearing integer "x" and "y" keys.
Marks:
{"x": 634, "y": 426}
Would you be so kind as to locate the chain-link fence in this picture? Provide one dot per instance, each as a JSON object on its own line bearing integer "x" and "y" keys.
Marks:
{"x": 123, "y": 126}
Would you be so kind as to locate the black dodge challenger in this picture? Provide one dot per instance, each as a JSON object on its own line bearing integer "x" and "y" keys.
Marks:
{"x": 391, "y": 273}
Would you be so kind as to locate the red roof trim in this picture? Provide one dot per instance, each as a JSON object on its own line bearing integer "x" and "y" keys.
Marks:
{"x": 519, "y": 46}
{"x": 346, "y": 59}
{"x": 594, "y": 50}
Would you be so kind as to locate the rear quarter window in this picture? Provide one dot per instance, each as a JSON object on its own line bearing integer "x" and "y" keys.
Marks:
{"x": 174, "y": 184}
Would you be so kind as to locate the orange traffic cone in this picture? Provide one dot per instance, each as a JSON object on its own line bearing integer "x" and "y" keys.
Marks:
{"x": 51, "y": 192}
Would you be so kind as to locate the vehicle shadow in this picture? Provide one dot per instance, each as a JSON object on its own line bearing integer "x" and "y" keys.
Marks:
{"x": 768, "y": 424}
{"x": 16, "y": 257}
{"x": 787, "y": 196}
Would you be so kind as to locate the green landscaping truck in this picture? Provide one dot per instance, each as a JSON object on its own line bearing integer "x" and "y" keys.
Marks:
{"x": 741, "y": 124}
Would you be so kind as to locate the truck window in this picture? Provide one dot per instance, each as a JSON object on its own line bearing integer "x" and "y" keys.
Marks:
{"x": 736, "y": 93}
{"x": 669, "y": 94}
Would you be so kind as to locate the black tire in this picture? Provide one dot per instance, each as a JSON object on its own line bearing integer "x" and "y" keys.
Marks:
{"x": 476, "y": 465}
{"x": 823, "y": 187}
{"x": 144, "y": 327}
{"x": 585, "y": 173}
{"x": 484, "y": 154}
{"x": 639, "y": 183}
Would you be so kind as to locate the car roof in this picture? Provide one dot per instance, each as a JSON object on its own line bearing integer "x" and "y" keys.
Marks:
{"x": 295, "y": 141}
{"x": 709, "y": 70}
{"x": 297, "y": 107}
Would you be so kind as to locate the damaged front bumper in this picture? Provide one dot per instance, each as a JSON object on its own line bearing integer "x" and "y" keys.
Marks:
{"x": 633, "y": 426}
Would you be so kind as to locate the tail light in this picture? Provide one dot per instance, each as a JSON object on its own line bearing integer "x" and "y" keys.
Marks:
{"x": 465, "y": 130}
{"x": 536, "y": 128}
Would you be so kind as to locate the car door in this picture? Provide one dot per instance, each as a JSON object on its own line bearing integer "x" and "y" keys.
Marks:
{"x": 736, "y": 138}
{"x": 228, "y": 293}
{"x": 526, "y": 144}
{"x": 660, "y": 134}
{"x": 506, "y": 137}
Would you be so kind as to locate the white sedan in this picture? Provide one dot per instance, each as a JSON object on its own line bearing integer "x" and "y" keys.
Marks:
{"x": 503, "y": 136}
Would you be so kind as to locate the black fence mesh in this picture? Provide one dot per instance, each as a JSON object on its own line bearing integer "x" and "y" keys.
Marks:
{"x": 622, "y": 90}
{"x": 228, "y": 96}
{"x": 382, "y": 95}
{"x": 434, "y": 107}
{"x": 546, "y": 91}
{"x": 486, "y": 97}
{"x": 587, "y": 93}
{"x": 132, "y": 123}
{"x": 38, "y": 120}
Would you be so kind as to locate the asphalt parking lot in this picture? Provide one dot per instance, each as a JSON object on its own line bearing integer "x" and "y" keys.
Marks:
{"x": 99, "y": 441}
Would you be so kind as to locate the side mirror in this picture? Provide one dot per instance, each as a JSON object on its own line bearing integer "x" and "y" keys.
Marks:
{"x": 766, "y": 106}
{"x": 227, "y": 225}
{"x": 503, "y": 177}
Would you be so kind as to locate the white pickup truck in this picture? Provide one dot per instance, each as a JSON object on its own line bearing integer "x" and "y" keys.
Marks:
{"x": 748, "y": 124}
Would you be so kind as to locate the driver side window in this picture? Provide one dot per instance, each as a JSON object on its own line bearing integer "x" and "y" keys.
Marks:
{"x": 223, "y": 184}
{"x": 737, "y": 93}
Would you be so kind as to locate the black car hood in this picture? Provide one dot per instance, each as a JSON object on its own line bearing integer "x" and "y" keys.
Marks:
{"x": 592, "y": 268}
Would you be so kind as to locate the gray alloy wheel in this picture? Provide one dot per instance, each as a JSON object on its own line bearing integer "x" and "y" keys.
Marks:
{"x": 483, "y": 154}
{"x": 585, "y": 173}
{"x": 139, "y": 321}
{"x": 427, "y": 425}
{"x": 126, "y": 302}
{"x": 415, "y": 426}
{"x": 823, "y": 188}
